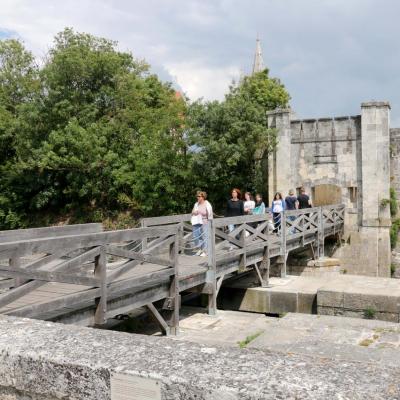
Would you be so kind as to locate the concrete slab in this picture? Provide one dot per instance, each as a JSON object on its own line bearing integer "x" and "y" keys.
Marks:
{"x": 344, "y": 339}
{"x": 42, "y": 360}
{"x": 333, "y": 337}
{"x": 352, "y": 295}
{"x": 226, "y": 328}
{"x": 347, "y": 295}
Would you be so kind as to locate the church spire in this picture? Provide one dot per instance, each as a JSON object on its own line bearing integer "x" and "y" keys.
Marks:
{"x": 258, "y": 65}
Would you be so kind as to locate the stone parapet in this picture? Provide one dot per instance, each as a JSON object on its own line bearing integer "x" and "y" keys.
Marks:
{"x": 367, "y": 104}
{"x": 279, "y": 111}
{"x": 41, "y": 360}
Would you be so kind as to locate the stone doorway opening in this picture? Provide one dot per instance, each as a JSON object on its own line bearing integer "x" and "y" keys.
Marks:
{"x": 325, "y": 194}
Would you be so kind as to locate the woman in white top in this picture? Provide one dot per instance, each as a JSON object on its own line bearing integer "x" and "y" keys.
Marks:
{"x": 202, "y": 212}
{"x": 249, "y": 203}
{"x": 277, "y": 206}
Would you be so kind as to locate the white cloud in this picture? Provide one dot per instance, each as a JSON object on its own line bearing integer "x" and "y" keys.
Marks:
{"x": 199, "y": 80}
{"x": 331, "y": 55}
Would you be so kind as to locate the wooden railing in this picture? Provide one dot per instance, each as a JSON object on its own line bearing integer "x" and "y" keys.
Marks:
{"x": 80, "y": 254}
{"x": 253, "y": 242}
{"x": 82, "y": 259}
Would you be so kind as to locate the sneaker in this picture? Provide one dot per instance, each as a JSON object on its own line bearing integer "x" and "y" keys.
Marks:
{"x": 202, "y": 254}
{"x": 198, "y": 252}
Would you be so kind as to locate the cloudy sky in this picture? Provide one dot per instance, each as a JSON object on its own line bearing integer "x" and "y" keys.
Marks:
{"x": 330, "y": 54}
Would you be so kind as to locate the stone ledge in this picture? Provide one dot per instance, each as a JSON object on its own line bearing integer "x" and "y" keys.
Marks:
{"x": 53, "y": 361}
{"x": 279, "y": 111}
{"x": 324, "y": 262}
{"x": 375, "y": 104}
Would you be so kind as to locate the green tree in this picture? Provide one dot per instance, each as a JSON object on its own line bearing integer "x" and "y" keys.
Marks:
{"x": 88, "y": 137}
{"x": 230, "y": 139}
{"x": 19, "y": 84}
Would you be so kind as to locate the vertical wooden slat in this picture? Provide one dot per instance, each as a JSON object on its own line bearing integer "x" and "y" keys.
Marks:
{"x": 15, "y": 262}
{"x": 144, "y": 240}
{"x": 243, "y": 260}
{"x": 283, "y": 238}
{"x": 211, "y": 276}
{"x": 174, "y": 288}
{"x": 100, "y": 271}
{"x": 321, "y": 249}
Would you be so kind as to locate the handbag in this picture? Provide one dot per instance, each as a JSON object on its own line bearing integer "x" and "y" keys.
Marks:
{"x": 196, "y": 220}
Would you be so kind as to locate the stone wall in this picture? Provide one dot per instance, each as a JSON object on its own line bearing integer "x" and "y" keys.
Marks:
{"x": 325, "y": 151}
{"x": 48, "y": 361}
{"x": 395, "y": 160}
{"x": 350, "y": 160}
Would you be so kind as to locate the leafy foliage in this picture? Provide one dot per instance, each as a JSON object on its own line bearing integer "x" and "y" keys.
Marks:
{"x": 231, "y": 139}
{"x": 90, "y": 132}
{"x": 393, "y": 203}
{"x": 92, "y": 135}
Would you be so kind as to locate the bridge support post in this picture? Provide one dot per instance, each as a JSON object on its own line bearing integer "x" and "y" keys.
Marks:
{"x": 262, "y": 271}
{"x": 211, "y": 275}
{"x": 100, "y": 271}
{"x": 172, "y": 304}
{"x": 157, "y": 317}
{"x": 15, "y": 262}
{"x": 283, "y": 244}
{"x": 144, "y": 240}
{"x": 321, "y": 236}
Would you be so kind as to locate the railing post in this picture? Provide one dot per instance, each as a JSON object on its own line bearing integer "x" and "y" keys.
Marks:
{"x": 321, "y": 239}
{"x": 15, "y": 262}
{"x": 283, "y": 239}
{"x": 174, "y": 288}
{"x": 181, "y": 238}
{"x": 211, "y": 275}
{"x": 100, "y": 271}
{"x": 144, "y": 240}
{"x": 243, "y": 257}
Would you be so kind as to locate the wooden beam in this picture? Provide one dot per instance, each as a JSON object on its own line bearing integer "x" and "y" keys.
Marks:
{"x": 48, "y": 276}
{"x": 51, "y": 245}
{"x": 171, "y": 219}
{"x": 100, "y": 272}
{"x": 112, "y": 276}
{"x": 230, "y": 238}
{"x": 117, "y": 251}
{"x": 52, "y": 231}
{"x": 158, "y": 318}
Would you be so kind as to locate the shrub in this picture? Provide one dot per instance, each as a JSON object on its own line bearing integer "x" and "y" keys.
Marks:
{"x": 393, "y": 203}
{"x": 394, "y": 233}
{"x": 369, "y": 313}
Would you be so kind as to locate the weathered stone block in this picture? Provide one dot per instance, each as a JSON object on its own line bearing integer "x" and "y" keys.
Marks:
{"x": 306, "y": 303}
{"x": 256, "y": 300}
{"x": 361, "y": 301}
{"x": 329, "y": 298}
{"x": 283, "y": 302}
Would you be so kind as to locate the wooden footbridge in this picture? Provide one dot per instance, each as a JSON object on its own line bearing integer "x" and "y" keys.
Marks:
{"x": 80, "y": 274}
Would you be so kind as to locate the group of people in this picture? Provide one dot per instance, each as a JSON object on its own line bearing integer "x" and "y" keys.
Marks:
{"x": 202, "y": 212}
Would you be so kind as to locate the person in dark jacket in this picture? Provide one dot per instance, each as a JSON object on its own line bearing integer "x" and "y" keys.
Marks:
{"x": 234, "y": 207}
{"x": 304, "y": 199}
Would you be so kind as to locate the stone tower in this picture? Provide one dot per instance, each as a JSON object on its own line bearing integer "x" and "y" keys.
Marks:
{"x": 344, "y": 159}
{"x": 258, "y": 64}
